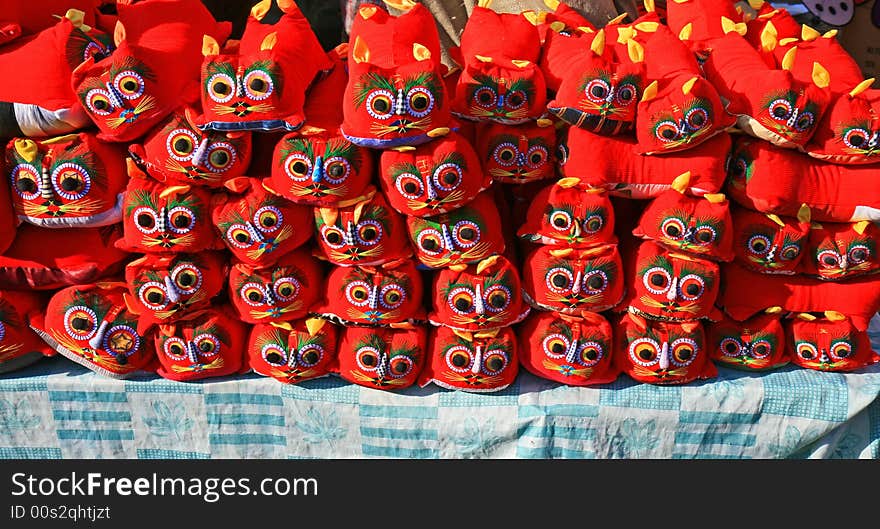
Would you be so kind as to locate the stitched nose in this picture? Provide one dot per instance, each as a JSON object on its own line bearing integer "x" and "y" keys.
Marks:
{"x": 429, "y": 189}
{"x": 874, "y": 142}
{"x": 571, "y": 353}
{"x": 270, "y": 299}
{"x": 46, "y": 185}
{"x": 400, "y": 103}
{"x": 192, "y": 352}
{"x": 318, "y": 171}
{"x": 171, "y": 290}
{"x": 500, "y": 103}
{"x": 520, "y": 159}
{"x": 382, "y": 366}
{"x": 374, "y": 297}
{"x": 291, "y": 358}
{"x": 115, "y": 98}
{"x": 255, "y": 233}
{"x": 349, "y": 234}
{"x": 479, "y": 308}
{"x": 95, "y": 341}
{"x": 200, "y": 157}
{"x": 161, "y": 220}
{"x": 664, "y": 356}
{"x": 478, "y": 360}
{"x": 793, "y": 119}
{"x": 673, "y": 290}
{"x": 447, "y": 238}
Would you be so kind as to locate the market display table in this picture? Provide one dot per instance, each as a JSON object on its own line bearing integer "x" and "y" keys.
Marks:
{"x": 57, "y": 409}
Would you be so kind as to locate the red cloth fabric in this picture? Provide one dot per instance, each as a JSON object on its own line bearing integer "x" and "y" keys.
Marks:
{"x": 473, "y": 362}
{"x": 380, "y": 357}
{"x": 291, "y": 352}
{"x": 756, "y": 344}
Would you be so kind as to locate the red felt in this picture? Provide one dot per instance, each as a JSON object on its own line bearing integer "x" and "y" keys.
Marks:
{"x": 826, "y": 345}
{"x": 849, "y": 131}
{"x": 762, "y": 245}
{"x": 838, "y": 251}
{"x": 476, "y": 363}
{"x": 290, "y": 353}
{"x": 517, "y": 154}
{"x": 381, "y": 358}
{"x": 786, "y": 26}
{"x": 17, "y": 339}
{"x": 757, "y": 344}
{"x": 844, "y": 71}
{"x": 704, "y": 17}
{"x": 577, "y": 216}
{"x": 33, "y": 17}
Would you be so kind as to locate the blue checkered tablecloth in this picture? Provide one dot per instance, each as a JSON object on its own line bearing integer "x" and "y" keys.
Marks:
{"x": 57, "y": 409}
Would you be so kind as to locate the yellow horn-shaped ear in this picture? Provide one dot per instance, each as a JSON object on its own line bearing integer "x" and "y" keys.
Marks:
{"x": 76, "y": 17}
{"x": 689, "y": 85}
{"x": 756, "y": 4}
{"x": 328, "y": 215}
{"x": 803, "y": 214}
{"x": 286, "y": 5}
{"x": 788, "y": 58}
{"x": 568, "y": 182}
{"x": 557, "y": 26}
{"x": 647, "y": 27}
{"x": 261, "y": 8}
{"x": 861, "y": 226}
{"x": 769, "y": 36}
{"x": 561, "y": 252}
{"x": 439, "y": 131}
{"x": 806, "y": 316}
{"x": 861, "y": 87}
{"x": 118, "y": 33}
{"x": 686, "y": 31}
{"x": 400, "y": 5}
{"x": 457, "y": 267}
{"x": 773, "y": 310}
{"x": 483, "y": 58}
{"x": 598, "y": 44}
{"x": 833, "y": 315}
{"x": 360, "y": 52}
{"x": 285, "y": 325}
{"x": 808, "y": 33}
{"x": 649, "y": 6}
{"x": 210, "y": 46}
{"x": 358, "y": 211}
{"x": 681, "y": 182}
{"x": 715, "y": 198}
{"x": 368, "y": 10}
{"x": 486, "y": 263}
{"x": 484, "y": 3}
{"x": 618, "y": 19}
{"x": 491, "y": 333}
{"x": 635, "y": 51}
{"x": 464, "y": 335}
{"x": 728, "y": 26}
{"x": 787, "y": 41}
{"x": 584, "y": 29}
{"x": 625, "y": 34}
{"x": 520, "y": 63}
{"x": 171, "y": 190}
{"x": 26, "y": 148}
{"x": 314, "y": 325}
{"x": 821, "y": 77}
{"x": 650, "y": 91}
{"x": 269, "y": 41}
{"x": 830, "y": 34}
{"x": 551, "y": 4}
{"x": 421, "y": 52}
{"x": 775, "y": 218}
{"x": 533, "y": 18}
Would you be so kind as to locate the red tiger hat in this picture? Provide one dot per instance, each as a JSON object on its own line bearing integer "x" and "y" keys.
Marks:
{"x": 768, "y": 243}
{"x": 381, "y": 357}
{"x": 293, "y": 352}
{"x": 839, "y": 251}
{"x": 20, "y": 346}
{"x": 481, "y": 362}
{"x": 829, "y": 343}
{"x": 757, "y": 344}
{"x": 849, "y": 131}
{"x": 517, "y": 154}
{"x": 569, "y": 213}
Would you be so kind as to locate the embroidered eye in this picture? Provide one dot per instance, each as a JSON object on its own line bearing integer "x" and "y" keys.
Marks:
{"x": 790, "y": 252}
{"x": 758, "y": 244}
{"x": 274, "y": 355}
{"x": 466, "y": 233}
{"x": 220, "y": 87}
{"x": 421, "y": 102}
{"x": 220, "y": 157}
{"x": 859, "y": 253}
{"x": 561, "y": 220}
{"x": 806, "y": 350}
{"x": 336, "y": 170}
{"x": 692, "y": 287}
{"x": 358, "y": 293}
{"x": 657, "y": 280}
{"x": 704, "y": 235}
{"x": 367, "y": 358}
{"x": 369, "y": 232}
{"x": 333, "y": 236}
{"x": 485, "y": 97}
{"x": 298, "y": 167}
{"x": 181, "y": 220}
{"x": 186, "y": 277}
{"x": 207, "y": 344}
{"x": 459, "y": 359}
{"x": 697, "y": 118}
{"x": 380, "y": 104}
{"x": 409, "y": 185}
{"x": 780, "y": 110}
{"x": 24, "y": 180}
{"x": 99, "y": 102}
{"x": 597, "y": 90}
{"x": 152, "y": 295}
{"x": 559, "y": 280}
{"x": 536, "y": 156}
{"x": 684, "y": 351}
{"x": 840, "y": 350}
{"x": 804, "y": 121}
{"x": 505, "y": 154}
{"x": 268, "y": 218}
{"x": 626, "y": 94}
{"x": 286, "y": 288}
{"x": 447, "y": 177}
{"x": 666, "y": 131}
{"x": 392, "y": 296}
{"x": 856, "y": 138}
{"x": 71, "y": 181}
{"x": 595, "y": 282}
{"x": 121, "y": 341}
{"x": 311, "y": 354}
{"x": 129, "y": 84}
{"x": 80, "y": 322}
{"x": 497, "y": 298}
{"x": 175, "y": 348}
{"x": 555, "y": 345}
{"x": 590, "y": 353}
{"x": 515, "y": 99}
{"x": 461, "y": 300}
{"x": 672, "y": 227}
{"x": 495, "y": 362}
{"x": 238, "y": 235}
{"x": 400, "y": 366}
{"x": 146, "y": 220}
{"x": 430, "y": 241}
{"x": 829, "y": 259}
{"x": 180, "y": 144}
{"x": 761, "y": 349}
{"x": 644, "y": 351}
{"x": 253, "y": 294}
{"x": 738, "y": 167}
{"x": 593, "y": 223}
{"x": 258, "y": 85}
{"x": 93, "y": 49}
{"x": 730, "y": 347}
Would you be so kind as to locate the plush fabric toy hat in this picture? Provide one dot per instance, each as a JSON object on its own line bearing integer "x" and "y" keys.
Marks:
{"x": 21, "y": 18}
{"x": 20, "y": 346}
{"x": 657, "y": 352}
{"x": 572, "y": 350}
{"x": 395, "y": 94}
{"x": 69, "y": 181}
{"x": 380, "y": 357}
{"x": 284, "y": 291}
{"x": 571, "y": 281}
{"x": 768, "y": 243}
{"x": 258, "y": 227}
{"x": 153, "y": 70}
{"x": 828, "y": 343}
{"x": 757, "y": 344}
{"x": 839, "y": 251}
{"x": 210, "y": 344}
{"x": 517, "y": 154}
{"x": 849, "y": 131}
{"x": 481, "y": 362}
{"x": 91, "y": 325}
{"x": 177, "y": 151}
{"x": 262, "y": 83}
{"x": 569, "y": 213}
{"x": 293, "y": 352}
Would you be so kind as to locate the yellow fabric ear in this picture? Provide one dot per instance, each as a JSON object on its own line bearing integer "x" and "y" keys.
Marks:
{"x": 439, "y": 131}
{"x": 26, "y": 148}
{"x": 686, "y": 31}
{"x": 598, "y": 44}
{"x": 650, "y": 92}
{"x": 118, "y": 33}
{"x": 808, "y": 33}
{"x": 484, "y": 3}
{"x": 533, "y": 18}
{"x": 756, "y": 4}
{"x": 314, "y": 325}
{"x": 861, "y": 226}
{"x": 773, "y": 310}
{"x": 821, "y": 77}
{"x": 830, "y": 34}
{"x": 803, "y": 214}
{"x": 457, "y": 267}
{"x": 286, "y": 5}
{"x": 76, "y": 17}
{"x": 625, "y": 34}
{"x": 618, "y": 19}
{"x": 861, "y": 87}
{"x": 649, "y": 6}
{"x": 557, "y": 26}
{"x": 360, "y": 52}
{"x": 788, "y": 59}
{"x": 728, "y": 26}
{"x": 269, "y": 41}
{"x": 464, "y": 335}
{"x": 420, "y": 52}
{"x": 483, "y": 58}
{"x": 681, "y": 182}
{"x": 775, "y": 218}
{"x": 403, "y": 5}
{"x": 635, "y": 51}
{"x": 833, "y": 315}
{"x": 261, "y": 8}
{"x": 284, "y": 325}
{"x": 769, "y": 36}
{"x": 647, "y": 27}
{"x": 568, "y": 182}
{"x": 689, "y": 85}
{"x": 520, "y": 63}
{"x": 561, "y": 252}
{"x": 787, "y": 41}
{"x": 328, "y": 215}
{"x": 173, "y": 189}
{"x": 551, "y": 4}
{"x": 366, "y": 11}
{"x": 715, "y": 198}
{"x": 486, "y": 263}
{"x": 806, "y": 316}
{"x": 210, "y": 46}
